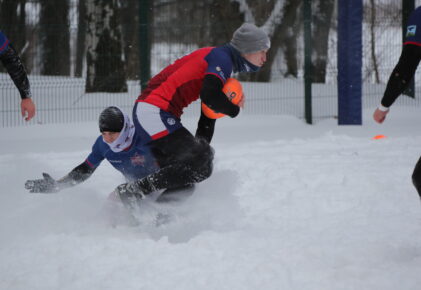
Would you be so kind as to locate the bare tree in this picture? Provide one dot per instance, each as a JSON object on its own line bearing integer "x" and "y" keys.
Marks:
{"x": 373, "y": 41}
{"x": 130, "y": 26}
{"x": 224, "y": 19}
{"x": 322, "y": 18}
{"x": 55, "y": 37}
{"x": 104, "y": 57}
{"x": 289, "y": 45}
{"x": 81, "y": 38}
{"x": 282, "y": 17}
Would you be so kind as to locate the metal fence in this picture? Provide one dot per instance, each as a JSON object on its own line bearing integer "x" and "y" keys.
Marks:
{"x": 61, "y": 99}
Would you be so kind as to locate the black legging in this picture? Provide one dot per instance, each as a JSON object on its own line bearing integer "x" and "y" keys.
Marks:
{"x": 183, "y": 160}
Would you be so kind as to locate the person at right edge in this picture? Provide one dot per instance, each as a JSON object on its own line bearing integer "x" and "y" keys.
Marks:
{"x": 401, "y": 76}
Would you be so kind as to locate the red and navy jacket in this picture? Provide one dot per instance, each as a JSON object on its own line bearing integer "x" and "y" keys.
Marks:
{"x": 181, "y": 83}
{"x": 201, "y": 73}
{"x": 410, "y": 57}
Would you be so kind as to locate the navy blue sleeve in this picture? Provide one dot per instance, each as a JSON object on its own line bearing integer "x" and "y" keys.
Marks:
{"x": 219, "y": 64}
{"x": 402, "y": 74}
{"x": 98, "y": 153}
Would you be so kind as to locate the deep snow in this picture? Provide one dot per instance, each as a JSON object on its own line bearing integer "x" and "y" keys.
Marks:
{"x": 289, "y": 206}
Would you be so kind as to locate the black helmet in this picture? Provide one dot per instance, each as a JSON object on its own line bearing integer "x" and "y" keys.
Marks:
{"x": 111, "y": 120}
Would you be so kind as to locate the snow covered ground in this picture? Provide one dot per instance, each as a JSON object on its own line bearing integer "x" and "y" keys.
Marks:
{"x": 289, "y": 206}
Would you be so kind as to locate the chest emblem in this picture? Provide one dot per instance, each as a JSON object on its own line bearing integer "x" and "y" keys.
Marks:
{"x": 411, "y": 30}
{"x": 137, "y": 159}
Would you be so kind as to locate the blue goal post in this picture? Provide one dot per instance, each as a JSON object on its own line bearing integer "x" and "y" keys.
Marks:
{"x": 350, "y": 13}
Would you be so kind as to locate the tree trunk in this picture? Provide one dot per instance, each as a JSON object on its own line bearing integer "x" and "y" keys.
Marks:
{"x": 373, "y": 41}
{"x": 81, "y": 38}
{"x": 322, "y": 18}
{"x": 105, "y": 67}
{"x": 55, "y": 38}
{"x": 289, "y": 46}
{"x": 280, "y": 35}
{"x": 225, "y": 18}
{"x": 130, "y": 25}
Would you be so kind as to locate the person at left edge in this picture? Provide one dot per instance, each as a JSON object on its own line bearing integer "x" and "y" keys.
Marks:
{"x": 13, "y": 64}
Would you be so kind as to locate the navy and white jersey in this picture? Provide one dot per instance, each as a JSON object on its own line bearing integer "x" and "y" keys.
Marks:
{"x": 413, "y": 28}
{"x": 4, "y": 43}
{"x": 135, "y": 162}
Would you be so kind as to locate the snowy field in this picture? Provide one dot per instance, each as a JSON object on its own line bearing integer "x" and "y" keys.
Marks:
{"x": 289, "y": 206}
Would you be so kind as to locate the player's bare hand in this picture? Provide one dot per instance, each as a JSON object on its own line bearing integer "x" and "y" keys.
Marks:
{"x": 27, "y": 109}
{"x": 379, "y": 116}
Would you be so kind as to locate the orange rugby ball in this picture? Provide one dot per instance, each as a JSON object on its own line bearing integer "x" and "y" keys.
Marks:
{"x": 234, "y": 92}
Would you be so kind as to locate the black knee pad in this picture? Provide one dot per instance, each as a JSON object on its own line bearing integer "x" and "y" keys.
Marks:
{"x": 203, "y": 158}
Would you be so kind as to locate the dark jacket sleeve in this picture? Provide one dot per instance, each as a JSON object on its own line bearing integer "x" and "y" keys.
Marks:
{"x": 212, "y": 95}
{"x": 16, "y": 70}
{"x": 79, "y": 174}
{"x": 402, "y": 73}
{"x": 205, "y": 128}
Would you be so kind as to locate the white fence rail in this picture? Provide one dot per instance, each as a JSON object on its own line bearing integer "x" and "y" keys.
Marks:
{"x": 62, "y": 100}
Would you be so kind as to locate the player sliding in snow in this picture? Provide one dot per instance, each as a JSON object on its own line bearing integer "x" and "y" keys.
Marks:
{"x": 156, "y": 152}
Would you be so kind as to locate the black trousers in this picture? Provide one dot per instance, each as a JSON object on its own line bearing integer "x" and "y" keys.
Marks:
{"x": 183, "y": 159}
{"x": 416, "y": 177}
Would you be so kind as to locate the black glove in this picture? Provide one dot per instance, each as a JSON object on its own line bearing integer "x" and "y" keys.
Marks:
{"x": 130, "y": 194}
{"x": 45, "y": 185}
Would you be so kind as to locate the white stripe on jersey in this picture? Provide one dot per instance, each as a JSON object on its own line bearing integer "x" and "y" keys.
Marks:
{"x": 149, "y": 118}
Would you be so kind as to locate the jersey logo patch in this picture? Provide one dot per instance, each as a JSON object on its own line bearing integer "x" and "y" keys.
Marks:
{"x": 412, "y": 29}
{"x": 137, "y": 159}
{"x": 170, "y": 121}
{"x": 220, "y": 72}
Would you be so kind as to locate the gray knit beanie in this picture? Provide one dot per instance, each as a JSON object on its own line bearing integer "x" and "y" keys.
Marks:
{"x": 249, "y": 38}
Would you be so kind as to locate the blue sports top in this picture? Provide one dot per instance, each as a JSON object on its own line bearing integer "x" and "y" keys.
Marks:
{"x": 135, "y": 162}
{"x": 413, "y": 29}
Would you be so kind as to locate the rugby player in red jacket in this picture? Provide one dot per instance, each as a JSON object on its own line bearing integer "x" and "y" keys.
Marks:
{"x": 185, "y": 159}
